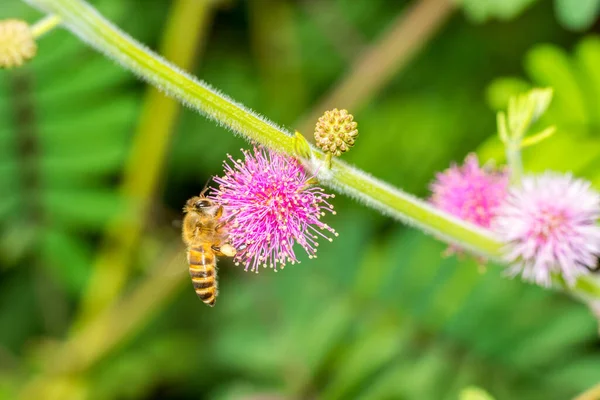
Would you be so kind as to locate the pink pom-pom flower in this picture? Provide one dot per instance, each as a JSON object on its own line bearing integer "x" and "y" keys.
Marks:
{"x": 549, "y": 225}
{"x": 470, "y": 192}
{"x": 273, "y": 205}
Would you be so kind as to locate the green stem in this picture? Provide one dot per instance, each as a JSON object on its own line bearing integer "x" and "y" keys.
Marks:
{"x": 328, "y": 158}
{"x": 407, "y": 208}
{"x": 87, "y": 23}
{"x": 515, "y": 164}
{"x": 45, "y": 25}
{"x": 83, "y": 20}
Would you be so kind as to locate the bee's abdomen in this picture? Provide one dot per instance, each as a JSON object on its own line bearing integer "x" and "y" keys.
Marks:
{"x": 203, "y": 273}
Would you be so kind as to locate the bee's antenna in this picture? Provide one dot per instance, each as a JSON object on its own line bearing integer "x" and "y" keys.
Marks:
{"x": 205, "y": 187}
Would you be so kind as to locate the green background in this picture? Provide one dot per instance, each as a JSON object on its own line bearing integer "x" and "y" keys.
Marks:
{"x": 380, "y": 314}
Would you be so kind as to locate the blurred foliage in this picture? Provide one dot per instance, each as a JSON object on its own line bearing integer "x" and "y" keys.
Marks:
{"x": 574, "y": 109}
{"x": 473, "y": 393}
{"x": 482, "y": 10}
{"x": 379, "y": 315}
{"x": 574, "y": 15}
{"x": 65, "y": 126}
{"x": 577, "y": 15}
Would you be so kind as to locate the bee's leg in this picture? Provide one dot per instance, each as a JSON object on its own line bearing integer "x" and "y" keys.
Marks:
{"x": 217, "y": 250}
{"x": 205, "y": 188}
{"x": 220, "y": 227}
{"x": 219, "y": 212}
{"x": 226, "y": 250}
{"x": 222, "y": 224}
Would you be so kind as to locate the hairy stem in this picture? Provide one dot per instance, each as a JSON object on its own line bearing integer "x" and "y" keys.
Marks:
{"x": 85, "y": 22}
{"x": 88, "y": 24}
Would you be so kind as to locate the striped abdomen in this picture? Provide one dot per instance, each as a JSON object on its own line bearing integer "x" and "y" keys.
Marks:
{"x": 203, "y": 272}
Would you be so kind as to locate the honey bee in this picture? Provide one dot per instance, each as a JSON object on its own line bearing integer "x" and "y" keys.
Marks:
{"x": 205, "y": 235}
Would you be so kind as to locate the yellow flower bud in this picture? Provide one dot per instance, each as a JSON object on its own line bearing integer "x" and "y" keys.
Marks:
{"x": 336, "y": 132}
{"x": 16, "y": 43}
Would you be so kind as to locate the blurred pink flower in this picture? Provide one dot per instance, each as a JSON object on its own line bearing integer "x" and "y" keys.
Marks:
{"x": 549, "y": 227}
{"x": 470, "y": 192}
{"x": 273, "y": 205}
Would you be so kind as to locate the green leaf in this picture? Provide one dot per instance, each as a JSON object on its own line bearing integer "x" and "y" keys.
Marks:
{"x": 551, "y": 67}
{"x": 502, "y": 89}
{"x": 575, "y": 110}
{"x": 75, "y": 136}
{"x": 16, "y": 240}
{"x": 538, "y": 137}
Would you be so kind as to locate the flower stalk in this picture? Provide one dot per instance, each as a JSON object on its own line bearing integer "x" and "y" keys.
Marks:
{"x": 45, "y": 25}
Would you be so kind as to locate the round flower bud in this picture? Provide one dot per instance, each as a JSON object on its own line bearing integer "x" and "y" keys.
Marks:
{"x": 336, "y": 132}
{"x": 16, "y": 43}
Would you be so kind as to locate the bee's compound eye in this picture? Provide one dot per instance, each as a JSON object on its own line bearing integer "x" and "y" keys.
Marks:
{"x": 203, "y": 204}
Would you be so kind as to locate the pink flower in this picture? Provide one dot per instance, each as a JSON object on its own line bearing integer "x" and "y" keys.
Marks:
{"x": 273, "y": 205}
{"x": 470, "y": 192}
{"x": 549, "y": 227}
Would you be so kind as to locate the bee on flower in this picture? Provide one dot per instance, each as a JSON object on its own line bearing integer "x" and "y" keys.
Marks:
{"x": 274, "y": 206}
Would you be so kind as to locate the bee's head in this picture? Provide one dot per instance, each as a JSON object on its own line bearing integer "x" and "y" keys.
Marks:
{"x": 199, "y": 204}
